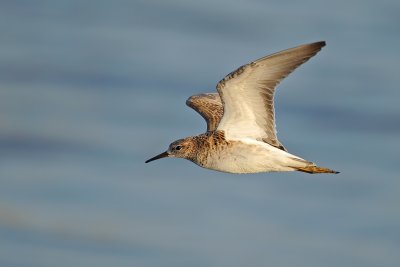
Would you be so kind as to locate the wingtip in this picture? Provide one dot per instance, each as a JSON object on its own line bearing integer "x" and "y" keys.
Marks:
{"x": 320, "y": 43}
{"x": 190, "y": 101}
{"x": 316, "y": 46}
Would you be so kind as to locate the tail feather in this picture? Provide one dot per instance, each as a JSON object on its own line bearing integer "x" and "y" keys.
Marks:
{"x": 315, "y": 169}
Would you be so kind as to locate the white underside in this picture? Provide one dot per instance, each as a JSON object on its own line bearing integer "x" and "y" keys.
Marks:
{"x": 252, "y": 156}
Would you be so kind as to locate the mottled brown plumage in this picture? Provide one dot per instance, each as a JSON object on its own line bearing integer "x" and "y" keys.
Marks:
{"x": 241, "y": 133}
{"x": 209, "y": 106}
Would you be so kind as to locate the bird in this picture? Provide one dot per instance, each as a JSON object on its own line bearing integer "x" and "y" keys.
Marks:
{"x": 241, "y": 134}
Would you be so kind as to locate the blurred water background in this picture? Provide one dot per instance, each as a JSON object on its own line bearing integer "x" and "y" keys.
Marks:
{"x": 91, "y": 89}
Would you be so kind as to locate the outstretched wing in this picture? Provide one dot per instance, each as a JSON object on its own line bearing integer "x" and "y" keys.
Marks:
{"x": 209, "y": 106}
{"x": 248, "y": 94}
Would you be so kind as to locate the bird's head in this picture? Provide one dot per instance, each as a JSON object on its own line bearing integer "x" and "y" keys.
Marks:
{"x": 182, "y": 148}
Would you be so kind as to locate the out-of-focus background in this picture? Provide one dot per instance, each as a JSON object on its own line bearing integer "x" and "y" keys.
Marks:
{"x": 91, "y": 89}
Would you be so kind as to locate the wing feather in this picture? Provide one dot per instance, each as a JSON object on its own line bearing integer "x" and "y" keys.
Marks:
{"x": 209, "y": 106}
{"x": 248, "y": 94}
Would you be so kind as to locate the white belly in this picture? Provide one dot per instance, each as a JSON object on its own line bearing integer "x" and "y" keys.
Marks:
{"x": 251, "y": 156}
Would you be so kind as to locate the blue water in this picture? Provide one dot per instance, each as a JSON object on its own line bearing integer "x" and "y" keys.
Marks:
{"x": 89, "y": 90}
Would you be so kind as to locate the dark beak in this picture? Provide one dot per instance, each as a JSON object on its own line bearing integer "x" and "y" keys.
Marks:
{"x": 162, "y": 155}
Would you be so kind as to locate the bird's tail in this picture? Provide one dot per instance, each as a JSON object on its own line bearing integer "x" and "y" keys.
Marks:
{"x": 314, "y": 169}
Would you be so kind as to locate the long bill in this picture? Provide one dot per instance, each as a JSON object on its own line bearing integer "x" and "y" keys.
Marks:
{"x": 162, "y": 155}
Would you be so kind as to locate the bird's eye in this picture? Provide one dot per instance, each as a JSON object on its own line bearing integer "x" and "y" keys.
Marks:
{"x": 178, "y": 147}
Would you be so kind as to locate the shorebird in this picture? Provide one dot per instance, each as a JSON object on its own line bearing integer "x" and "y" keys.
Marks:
{"x": 241, "y": 134}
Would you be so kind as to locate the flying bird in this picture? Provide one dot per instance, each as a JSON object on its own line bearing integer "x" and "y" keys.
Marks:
{"x": 241, "y": 134}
